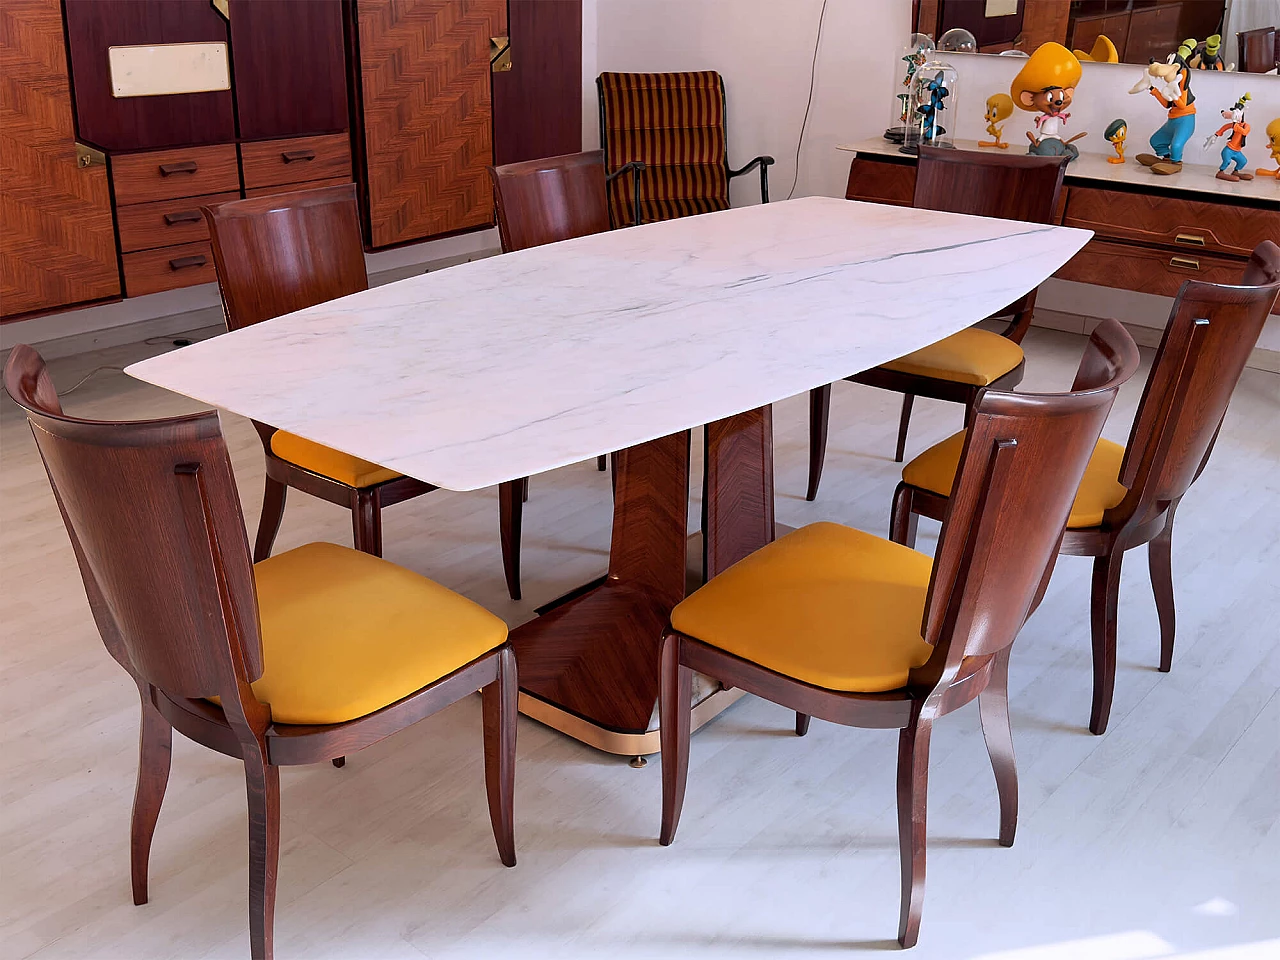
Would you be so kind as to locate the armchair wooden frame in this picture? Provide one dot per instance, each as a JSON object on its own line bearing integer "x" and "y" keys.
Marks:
{"x": 278, "y": 254}
{"x": 1011, "y": 187}
{"x": 993, "y": 560}
{"x": 154, "y": 519}
{"x": 1211, "y": 331}
{"x": 761, "y": 163}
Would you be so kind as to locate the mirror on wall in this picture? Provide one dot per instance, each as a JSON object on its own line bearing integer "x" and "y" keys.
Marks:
{"x": 1127, "y": 31}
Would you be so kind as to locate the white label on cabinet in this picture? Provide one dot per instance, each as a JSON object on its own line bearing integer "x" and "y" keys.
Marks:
{"x": 1001, "y": 8}
{"x": 168, "y": 68}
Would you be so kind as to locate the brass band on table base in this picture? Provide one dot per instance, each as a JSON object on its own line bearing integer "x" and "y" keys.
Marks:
{"x": 622, "y": 744}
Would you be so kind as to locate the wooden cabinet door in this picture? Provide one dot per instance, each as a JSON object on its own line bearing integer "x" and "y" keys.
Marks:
{"x": 143, "y": 122}
{"x": 537, "y": 104}
{"x": 57, "y": 244}
{"x": 290, "y": 68}
{"x": 427, "y": 114}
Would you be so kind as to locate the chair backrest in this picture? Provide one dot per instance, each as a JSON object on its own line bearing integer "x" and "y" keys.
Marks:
{"x": 154, "y": 518}
{"x": 1212, "y": 330}
{"x": 675, "y": 124}
{"x": 278, "y": 254}
{"x": 542, "y": 201}
{"x": 1010, "y": 186}
{"x": 1259, "y": 50}
{"x": 1023, "y": 458}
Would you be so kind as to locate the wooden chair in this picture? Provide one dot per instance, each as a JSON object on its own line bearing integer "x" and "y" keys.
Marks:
{"x": 1259, "y": 50}
{"x": 675, "y": 124}
{"x": 1012, "y": 187}
{"x": 1129, "y": 494}
{"x": 843, "y": 625}
{"x": 278, "y": 254}
{"x": 304, "y": 657}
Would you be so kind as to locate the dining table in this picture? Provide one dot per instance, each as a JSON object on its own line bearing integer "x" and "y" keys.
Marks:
{"x": 622, "y": 342}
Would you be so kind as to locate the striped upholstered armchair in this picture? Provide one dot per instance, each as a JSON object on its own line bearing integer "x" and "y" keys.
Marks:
{"x": 674, "y": 124}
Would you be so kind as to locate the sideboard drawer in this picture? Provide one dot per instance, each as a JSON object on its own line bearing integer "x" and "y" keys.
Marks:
{"x": 272, "y": 162}
{"x": 165, "y": 174}
{"x": 881, "y": 181}
{"x": 164, "y": 223}
{"x": 1145, "y": 269}
{"x": 1171, "y": 221}
{"x": 166, "y": 268}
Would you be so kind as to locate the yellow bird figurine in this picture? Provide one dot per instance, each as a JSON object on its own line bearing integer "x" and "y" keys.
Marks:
{"x": 1115, "y": 133}
{"x": 999, "y": 109}
{"x": 1273, "y": 131}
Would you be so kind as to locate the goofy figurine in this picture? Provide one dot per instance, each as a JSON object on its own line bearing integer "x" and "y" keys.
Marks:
{"x": 1232, "y": 153}
{"x": 1170, "y": 83}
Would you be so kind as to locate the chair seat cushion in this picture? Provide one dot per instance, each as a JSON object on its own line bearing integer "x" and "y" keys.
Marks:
{"x": 345, "y": 633}
{"x": 1100, "y": 490}
{"x": 328, "y": 462}
{"x": 971, "y": 356}
{"x": 827, "y": 604}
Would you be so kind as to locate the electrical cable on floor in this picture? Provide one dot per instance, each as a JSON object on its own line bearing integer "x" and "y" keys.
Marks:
{"x": 83, "y": 380}
{"x": 813, "y": 73}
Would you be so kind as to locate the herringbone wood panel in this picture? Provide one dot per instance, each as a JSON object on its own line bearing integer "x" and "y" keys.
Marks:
{"x": 57, "y": 244}
{"x": 427, "y": 114}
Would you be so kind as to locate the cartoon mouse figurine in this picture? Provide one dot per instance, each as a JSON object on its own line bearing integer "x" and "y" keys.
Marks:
{"x": 1045, "y": 86}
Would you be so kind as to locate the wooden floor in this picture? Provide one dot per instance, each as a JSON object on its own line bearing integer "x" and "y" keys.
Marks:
{"x": 1161, "y": 838}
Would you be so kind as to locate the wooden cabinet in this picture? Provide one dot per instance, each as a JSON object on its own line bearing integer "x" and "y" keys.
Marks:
{"x": 57, "y": 246}
{"x": 426, "y": 113}
{"x": 273, "y": 163}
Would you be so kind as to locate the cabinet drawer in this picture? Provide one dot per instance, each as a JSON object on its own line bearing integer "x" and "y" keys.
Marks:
{"x": 164, "y": 223}
{"x": 166, "y": 174}
{"x": 273, "y": 162}
{"x": 1145, "y": 269}
{"x": 295, "y": 187}
{"x": 166, "y": 268}
{"x": 1174, "y": 222}
{"x": 881, "y": 181}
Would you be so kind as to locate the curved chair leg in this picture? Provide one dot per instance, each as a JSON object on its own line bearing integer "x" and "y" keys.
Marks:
{"x": 802, "y": 724}
{"x": 674, "y": 715}
{"x": 819, "y": 419}
{"x": 263, "y": 782}
{"x": 499, "y": 707}
{"x": 903, "y": 423}
{"x": 993, "y": 709}
{"x": 1104, "y": 603}
{"x": 903, "y": 519}
{"x": 1160, "y": 560}
{"x": 511, "y": 498}
{"x": 602, "y": 462}
{"x": 913, "y": 789}
{"x": 155, "y": 749}
{"x": 273, "y": 496}
{"x": 366, "y": 521}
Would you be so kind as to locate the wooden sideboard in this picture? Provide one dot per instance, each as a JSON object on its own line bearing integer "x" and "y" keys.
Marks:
{"x": 101, "y": 192}
{"x": 1150, "y": 233}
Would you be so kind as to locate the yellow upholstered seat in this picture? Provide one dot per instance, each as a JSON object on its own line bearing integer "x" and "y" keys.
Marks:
{"x": 827, "y": 604}
{"x": 345, "y": 633}
{"x": 328, "y": 462}
{"x": 1100, "y": 490}
{"x": 971, "y": 356}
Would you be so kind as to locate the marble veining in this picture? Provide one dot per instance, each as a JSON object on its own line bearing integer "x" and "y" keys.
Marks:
{"x": 518, "y": 364}
{"x": 1093, "y": 168}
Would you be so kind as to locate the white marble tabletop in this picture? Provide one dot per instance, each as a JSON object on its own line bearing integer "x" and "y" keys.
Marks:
{"x": 514, "y": 365}
{"x": 1093, "y": 167}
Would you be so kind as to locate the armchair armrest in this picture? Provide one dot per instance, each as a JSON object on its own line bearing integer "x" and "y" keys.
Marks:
{"x": 635, "y": 168}
{"x": 763, "y": 163}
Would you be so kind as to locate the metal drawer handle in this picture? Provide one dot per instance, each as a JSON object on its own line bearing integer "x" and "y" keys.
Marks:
{"x": 290, "y": 156}
{"x": 184, "y": 216}
{"x": 169, "y": 169}
{"x": 1190, "y": 239}
{"x": 181, "y": 263}
{"x": 1187, "y": 263}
